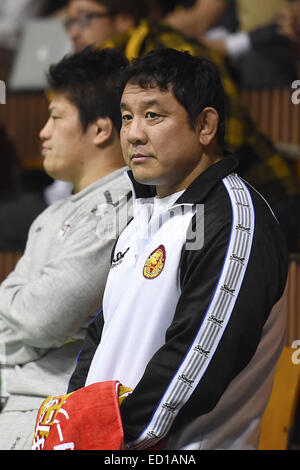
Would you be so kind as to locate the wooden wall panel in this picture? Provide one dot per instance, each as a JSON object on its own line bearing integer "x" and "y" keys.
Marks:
{"x": 23, "y": 116}
{"x": 293, "y": 300}
{"x": 8, "y": 260}
{"x": 274, "y": 113}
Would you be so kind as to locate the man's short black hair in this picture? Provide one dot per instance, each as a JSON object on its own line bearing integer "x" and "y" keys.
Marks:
{"x": 168, "y": 6}
{"x": 194, "y": 81}
{"x": 90, "y": 79}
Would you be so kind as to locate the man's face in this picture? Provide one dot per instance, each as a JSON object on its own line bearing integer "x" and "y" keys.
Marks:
{"x": 85, "y": 27}
{"x": 64, "y": 144}
{"x": 157, "y": 140}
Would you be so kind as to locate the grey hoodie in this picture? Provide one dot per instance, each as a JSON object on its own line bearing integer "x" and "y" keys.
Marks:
{"x": 57, "y": 287}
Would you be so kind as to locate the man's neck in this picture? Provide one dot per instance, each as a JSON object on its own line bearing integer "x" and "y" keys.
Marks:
{"x": 205, "y": 162}
{"x": 103, "y": 164}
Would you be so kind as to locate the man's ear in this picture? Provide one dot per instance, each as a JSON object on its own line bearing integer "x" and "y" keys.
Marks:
{"x": 102, "y": 130}
{"x": 123, "y": 22}
{"x": 208, "y": 122}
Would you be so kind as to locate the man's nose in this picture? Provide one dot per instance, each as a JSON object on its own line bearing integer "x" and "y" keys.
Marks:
{"x": 45, "y": 131}
{"x": 73, "y": 30}
{"x": 136, "y": 132}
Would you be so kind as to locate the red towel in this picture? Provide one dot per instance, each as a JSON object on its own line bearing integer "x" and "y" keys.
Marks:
{"x": 87, "y": 419}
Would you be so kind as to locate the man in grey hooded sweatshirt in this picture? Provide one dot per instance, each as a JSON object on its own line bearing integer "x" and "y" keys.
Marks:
{"x": 57, "y": 286}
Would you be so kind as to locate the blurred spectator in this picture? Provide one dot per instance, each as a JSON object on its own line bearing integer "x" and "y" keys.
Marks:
{"x": 260, "y": 163}
{"x": 94, "y": 22}
{"x": 262, "y": 54}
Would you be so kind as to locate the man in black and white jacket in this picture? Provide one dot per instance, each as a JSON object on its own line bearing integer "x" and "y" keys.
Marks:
{"x": 193, "y": 311}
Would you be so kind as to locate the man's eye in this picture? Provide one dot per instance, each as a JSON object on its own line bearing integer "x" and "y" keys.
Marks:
{"x": 126, "y": 117}
{"x": 151, "y": 115}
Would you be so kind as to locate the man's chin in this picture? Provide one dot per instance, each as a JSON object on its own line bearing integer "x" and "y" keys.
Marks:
{"x": 144, "y": 179}
{"x": 78, "y": 47}
{"x": 51, "y": 171}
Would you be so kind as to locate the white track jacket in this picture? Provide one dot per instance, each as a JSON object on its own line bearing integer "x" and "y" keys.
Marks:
{"x": 193, "y": 318}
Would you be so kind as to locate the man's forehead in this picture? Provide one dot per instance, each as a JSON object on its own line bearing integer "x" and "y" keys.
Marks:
{"x": 84, "y": 4}
{"x": 152, "y": 94}
{"x": 60, "y": 101}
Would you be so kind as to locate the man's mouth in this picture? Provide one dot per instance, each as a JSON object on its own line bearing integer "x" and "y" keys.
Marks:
{"x": 45, "y": 150}
{"x": 140, "y": 157}
{"x": 79, "y": 46}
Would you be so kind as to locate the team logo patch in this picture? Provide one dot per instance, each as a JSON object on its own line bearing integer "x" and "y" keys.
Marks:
{"x": 155, "y": 263}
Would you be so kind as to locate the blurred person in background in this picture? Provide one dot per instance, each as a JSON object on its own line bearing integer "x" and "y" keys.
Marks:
{"x": 260, "y": 50}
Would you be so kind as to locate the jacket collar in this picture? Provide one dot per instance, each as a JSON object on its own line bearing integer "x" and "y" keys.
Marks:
{"x": 199, "y": 188}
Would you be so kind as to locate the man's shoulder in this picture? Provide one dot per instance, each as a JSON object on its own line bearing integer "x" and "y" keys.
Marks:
{"x": 233, "y": 198}
{"x": 117, "y": 181}
{"x": 52, "y": 209}
{"x": 109, "y": 190}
